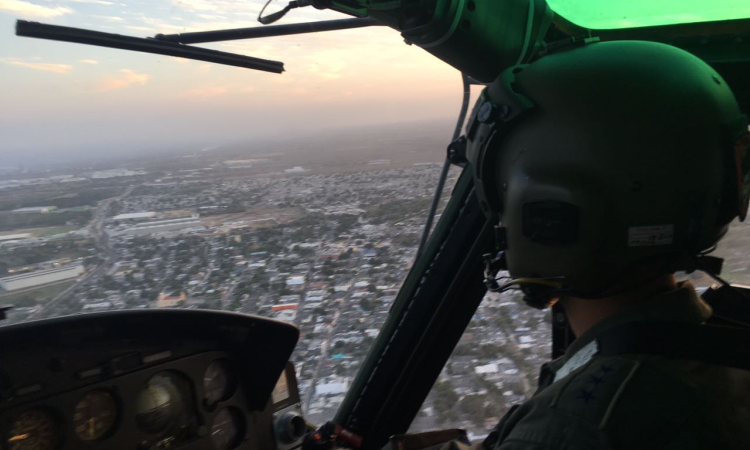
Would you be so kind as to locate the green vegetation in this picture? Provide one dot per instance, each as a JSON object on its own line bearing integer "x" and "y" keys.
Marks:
{"x": 62, "y": 248}
{"x": 479, "y": 408}
{"x": 398, "y": 210}
{"x": 34, "y": 296}
{"x": 445, "y": 402}
{"x": 53, "y": 197}
{"x": 13, "y": 221}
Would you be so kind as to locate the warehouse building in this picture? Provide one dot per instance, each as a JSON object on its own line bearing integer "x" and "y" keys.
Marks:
{"x": 40, "y": 277}
{"x": 161, "y": 226}
{"x": 135, "y": 216}
{"x": 35, "y": 210}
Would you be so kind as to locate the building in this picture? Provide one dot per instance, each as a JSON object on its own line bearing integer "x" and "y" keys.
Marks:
{"x": 97, "y": 306}
{"x": 35, "y": 210}
{"x": 166, "y": 300}
{"x": 297, "y": 280}
{"x": 286, "y": 315}
{"x": 135, "y": 216}
{"x": 14, "y": 237}
{"x": 487, "y": 369}
{"x": 331, "y": 388}
{"x": 161, "y": 226}
{"x": 40, "y": 277}
{"x": 284, "y": 307}
{"x": 112, "y": 173}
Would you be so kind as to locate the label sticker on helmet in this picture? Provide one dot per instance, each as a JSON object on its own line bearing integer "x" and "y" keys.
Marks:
{"x": 651, "y": 235}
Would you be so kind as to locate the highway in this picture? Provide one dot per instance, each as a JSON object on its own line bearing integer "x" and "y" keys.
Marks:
{"x": 101, "y": 239}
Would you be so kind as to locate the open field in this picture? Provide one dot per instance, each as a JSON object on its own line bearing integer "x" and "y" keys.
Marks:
{"x": 43, "y": 231}
{"x": 253, "y": 218}
{"x": 35, "y": 295}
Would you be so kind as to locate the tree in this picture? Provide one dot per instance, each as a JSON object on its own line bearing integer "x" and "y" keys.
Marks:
{"x": 366, "y": 305}
{"x": 445, "y": 401}
{"x": 235, "y": 305}
{"x": 473, "y": 407}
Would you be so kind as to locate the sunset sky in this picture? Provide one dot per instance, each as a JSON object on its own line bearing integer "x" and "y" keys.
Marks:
{"x": 61, "y": 96}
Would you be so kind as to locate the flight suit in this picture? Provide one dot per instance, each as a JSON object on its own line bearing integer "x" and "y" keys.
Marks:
{"x": 586, "y": 401}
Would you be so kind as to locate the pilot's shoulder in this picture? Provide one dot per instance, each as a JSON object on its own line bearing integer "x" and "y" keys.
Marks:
{"x": 567, "y": 413}
{"x": 627, "y": 393}
{"x": 592, "y": 391}
{"x": 603, "y": 401}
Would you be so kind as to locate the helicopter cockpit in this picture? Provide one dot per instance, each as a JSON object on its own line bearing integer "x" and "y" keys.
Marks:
{"x": 174, "y": 379}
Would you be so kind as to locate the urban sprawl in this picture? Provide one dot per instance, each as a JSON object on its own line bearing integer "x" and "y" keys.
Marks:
{"x": 325, "y": 251}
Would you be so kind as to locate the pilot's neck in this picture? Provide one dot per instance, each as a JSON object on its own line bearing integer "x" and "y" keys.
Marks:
{"x": 584, "y": 313}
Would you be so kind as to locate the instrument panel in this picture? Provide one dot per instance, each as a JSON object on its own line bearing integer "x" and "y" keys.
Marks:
{"x": 206, "y": 390}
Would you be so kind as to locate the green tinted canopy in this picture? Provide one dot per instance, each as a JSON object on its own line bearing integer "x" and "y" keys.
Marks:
{"x": 612, "y": 14}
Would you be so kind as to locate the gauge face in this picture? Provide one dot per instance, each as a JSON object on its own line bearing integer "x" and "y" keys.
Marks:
{"x": 164, "y": 405}
{"x": 228, "y": 429}
{"x": 35, "y": 429}
{"x": 218, "y": 382}
{"x": 94, "y": 415}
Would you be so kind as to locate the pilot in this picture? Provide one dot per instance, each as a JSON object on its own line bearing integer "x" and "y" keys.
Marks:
{"x": 626, "y": 165}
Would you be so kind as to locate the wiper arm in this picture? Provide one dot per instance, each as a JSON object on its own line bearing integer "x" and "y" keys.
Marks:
{"x": 269, "y": 31}
{"x": 146, "y": 45}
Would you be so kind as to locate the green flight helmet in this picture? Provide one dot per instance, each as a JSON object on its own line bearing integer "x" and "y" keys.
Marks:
{"x": 601, "y": 158}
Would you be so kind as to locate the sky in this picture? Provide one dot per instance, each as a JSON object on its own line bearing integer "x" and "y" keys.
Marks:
{"x": 62, "y": 98}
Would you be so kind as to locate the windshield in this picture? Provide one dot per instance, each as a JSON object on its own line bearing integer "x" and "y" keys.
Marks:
{"x": 139, "y": 181}
{"x": 609, "y": 14}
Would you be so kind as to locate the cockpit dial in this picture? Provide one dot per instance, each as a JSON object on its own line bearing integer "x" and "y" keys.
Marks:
{"x": 219, "y": 382}
{"x": 228, "y": 429}
{"x": 164, "y": 407}
{"x": 35, "y": 429}
{"x": 95, "y": 415}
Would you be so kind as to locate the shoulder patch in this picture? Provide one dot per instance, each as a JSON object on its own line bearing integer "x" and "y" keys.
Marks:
{"x": 580, "y": 358}
{"x": 589, "y": 391}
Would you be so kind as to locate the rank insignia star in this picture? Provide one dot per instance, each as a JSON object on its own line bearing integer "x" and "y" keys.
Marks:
{"x": 586, "y": 396}
{"x": 596, "y": 380}
{"x": 606, "y": 369}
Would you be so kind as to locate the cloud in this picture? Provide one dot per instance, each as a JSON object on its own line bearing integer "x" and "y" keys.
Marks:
{"x": 196, "y": 5}
{"x": 93, "y": 2}
{"x": 27, "y": 9}
{"x": 126, "y": 79}
{"x": 209, "y": 91}
{"x": 248, "y": 89}
{"x": 111, "y": 18}
{"x": 139, "y": 28}
{"x": 211, "y": 17}
{"x": 91, "y": 62}
{"x": 46, "y": 67}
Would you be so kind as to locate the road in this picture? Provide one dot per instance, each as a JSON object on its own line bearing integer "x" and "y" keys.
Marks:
{"x": 326, "y": 342}
{"x": 101, "y": 239}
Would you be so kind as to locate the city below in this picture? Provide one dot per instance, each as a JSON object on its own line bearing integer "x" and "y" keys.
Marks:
{"x": 319, "y": 233}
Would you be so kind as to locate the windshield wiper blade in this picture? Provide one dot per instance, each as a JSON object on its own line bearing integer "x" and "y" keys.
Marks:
{"x": 269, "y": 31}
{"x": 146, "y": 45}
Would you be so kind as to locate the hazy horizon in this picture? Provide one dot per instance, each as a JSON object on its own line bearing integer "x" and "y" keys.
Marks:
{"x": 132, "y": 155}
{"x": 63, "y": 98}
